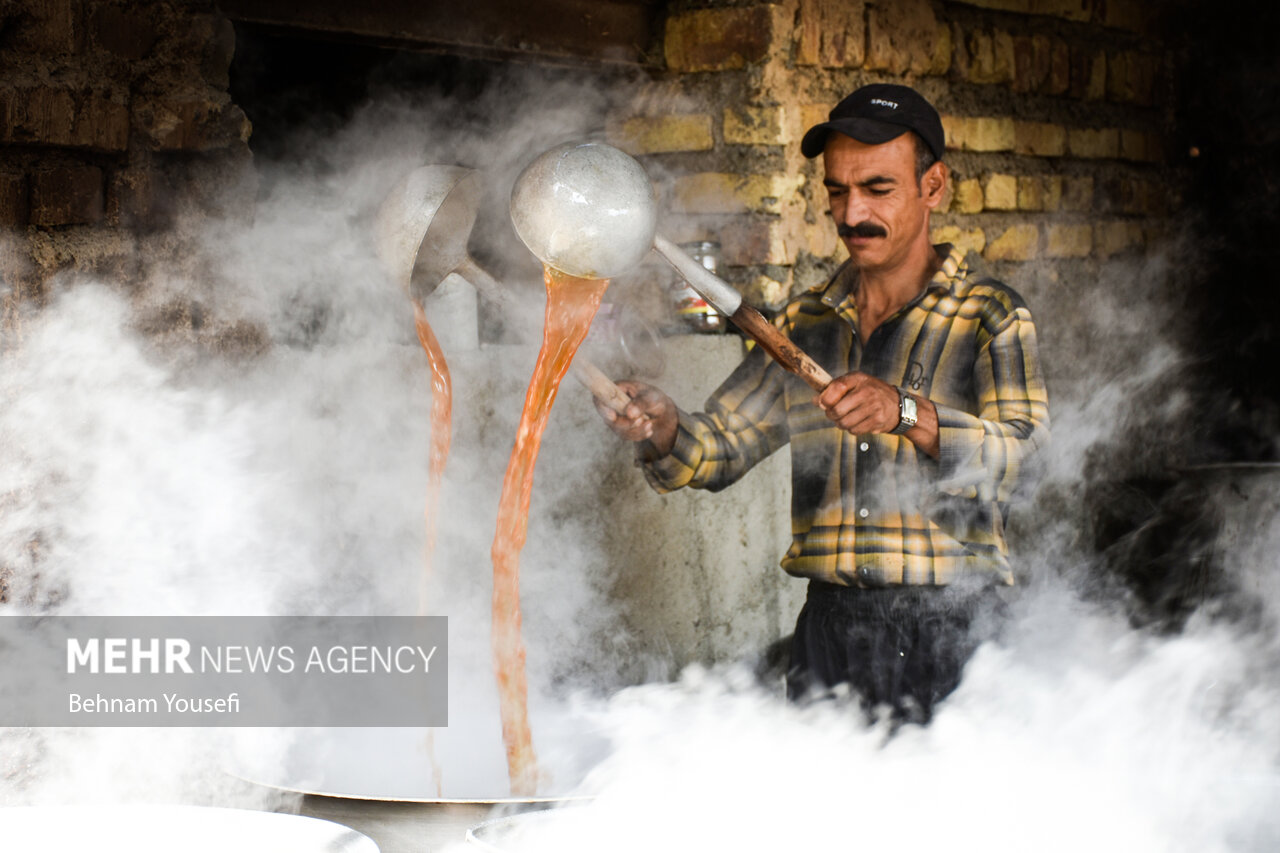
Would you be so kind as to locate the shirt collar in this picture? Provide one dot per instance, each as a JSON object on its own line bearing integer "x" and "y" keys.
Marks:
{"x": 845, "y": 280}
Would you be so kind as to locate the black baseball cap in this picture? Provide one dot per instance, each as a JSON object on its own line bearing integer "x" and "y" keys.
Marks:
{"x": 877, "y": 113}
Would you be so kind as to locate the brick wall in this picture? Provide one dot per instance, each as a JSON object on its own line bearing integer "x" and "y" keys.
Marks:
{"x": 115, "y": 125}
{"x": 1056, "y": 114}
{"x": 117, "y": 130}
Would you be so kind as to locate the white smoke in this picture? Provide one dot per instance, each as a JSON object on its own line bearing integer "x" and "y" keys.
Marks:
{"x": 136, "y": 479}
{"x": 1075, "y": 730}
{"x": 1128, "y": 743}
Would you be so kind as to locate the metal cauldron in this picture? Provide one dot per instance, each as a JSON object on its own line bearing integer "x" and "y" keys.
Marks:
{"x": 379, "y": 781}
{"x": 165, "y": 828}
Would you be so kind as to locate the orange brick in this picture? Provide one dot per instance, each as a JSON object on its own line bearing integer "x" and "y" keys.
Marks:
{"x": 1131, "y": 77}
{"x": 720, "y": 192}
{"x": 1000, "y": 192}
{"x": 1069, "y": 241}
{"x": 769, "y": 290}
{"x": 988, "y": 57}
{"x": 1112, "y": 238}
{"x": 662, "y": 134}
{"x": 832, "y": 33}
{"x": 1039, "y": 139}
{"x": 808, "y": 37}
{"x": 67, "y": 195}
{"x": 968, "y": 196}
{"x": 1031, "y": 191}
{"x": 1019, "y": 243}
{"x": 756, "y": 126}
{"x": 1133, "y": 195}
{"x": 745, "y": 242}
{"x": 718, "y": 39}
{"x": 1140, "y": 146}
{"x": 1059, "y": 69}
{"x": 905, "y": 37}
{"x": 968, "y": 240}
{"x": 65, "y": 117}
{"x": 1039, "y": 192}
{"x": 1088, "y": 74}
{"x": 820, "y": 239}
{"x": 974, "y": 133}
{"x": 813, "y": 114}
{"x": 50, "y": 27}
{"x": 13, "y": 201}
{"x": 1091, "y": 143}
{"x": 1032, "y": 62}
{"x": 1077, "y": 194}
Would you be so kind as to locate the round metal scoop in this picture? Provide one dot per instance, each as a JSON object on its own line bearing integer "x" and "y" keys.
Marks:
{"x": 421, "y": 233}
{"x": 586, "y": 209}
{"x": 422, "y": 228}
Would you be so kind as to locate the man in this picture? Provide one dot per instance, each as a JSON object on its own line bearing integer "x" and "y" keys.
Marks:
{"x": 904, "y": 467}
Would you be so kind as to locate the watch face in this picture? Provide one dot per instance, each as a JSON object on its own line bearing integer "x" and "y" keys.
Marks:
{"x": 908, "y": 410}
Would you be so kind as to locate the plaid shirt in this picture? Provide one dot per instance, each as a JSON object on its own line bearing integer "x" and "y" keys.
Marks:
{"x": 872, "y": 510}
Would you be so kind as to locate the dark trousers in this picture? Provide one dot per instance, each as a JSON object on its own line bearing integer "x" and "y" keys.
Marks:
{"x": 897, "y": 648}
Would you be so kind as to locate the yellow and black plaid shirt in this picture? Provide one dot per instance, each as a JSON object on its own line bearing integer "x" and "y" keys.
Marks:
{"x": 872, "y": 510}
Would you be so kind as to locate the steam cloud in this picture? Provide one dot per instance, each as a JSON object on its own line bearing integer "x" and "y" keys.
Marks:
{"x": 141, "y": 476}
{"x": 1077, "y": 730}
{"x": 147, "y": 471}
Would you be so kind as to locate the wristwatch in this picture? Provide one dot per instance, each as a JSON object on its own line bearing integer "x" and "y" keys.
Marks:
{"x": 906, "y": 412}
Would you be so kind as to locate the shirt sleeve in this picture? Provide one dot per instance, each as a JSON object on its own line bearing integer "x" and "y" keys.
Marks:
{"x": 997, "y": 454}
{"x": 745, "y": 421}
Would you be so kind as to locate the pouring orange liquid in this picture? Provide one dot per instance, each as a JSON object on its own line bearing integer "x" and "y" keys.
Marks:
{"x": 571, "y": 304}
{"x": 441, "y": 417}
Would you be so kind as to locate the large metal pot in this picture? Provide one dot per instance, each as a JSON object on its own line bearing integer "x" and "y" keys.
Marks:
{"x": 401, "y": 827}
{"x": 503, "y": 834}
{"x": 165, "y": 828}
{"x": 380, "y": 781}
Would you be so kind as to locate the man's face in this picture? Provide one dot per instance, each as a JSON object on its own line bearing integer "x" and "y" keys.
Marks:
{"x": 879, "y": 209}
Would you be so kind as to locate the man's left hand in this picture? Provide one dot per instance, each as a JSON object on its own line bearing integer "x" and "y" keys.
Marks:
{"x": 861, "y": 403}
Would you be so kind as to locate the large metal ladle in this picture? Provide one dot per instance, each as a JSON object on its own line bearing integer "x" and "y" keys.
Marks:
{"x": 588, "y": 210}
{"x": 422, "y": 228}
{"x": 420, "y": 235}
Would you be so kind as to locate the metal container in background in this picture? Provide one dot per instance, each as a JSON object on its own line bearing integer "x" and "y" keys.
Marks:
{"x": 691, "y": 310}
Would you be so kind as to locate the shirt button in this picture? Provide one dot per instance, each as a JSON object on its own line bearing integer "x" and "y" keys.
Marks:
{"x": 864, "y": 512}
{"x": 870, "y": 577}
{"x": 864, "y": 447}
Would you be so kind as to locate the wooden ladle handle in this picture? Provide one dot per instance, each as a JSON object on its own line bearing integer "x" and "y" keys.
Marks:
{"x": 790, "y": 356}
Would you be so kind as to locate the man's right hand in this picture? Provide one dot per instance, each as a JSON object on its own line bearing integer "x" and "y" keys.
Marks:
{"x": 650, "y": 416}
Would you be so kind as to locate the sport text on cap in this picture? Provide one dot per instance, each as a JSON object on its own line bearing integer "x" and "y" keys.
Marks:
{"x": 877, "y": 113}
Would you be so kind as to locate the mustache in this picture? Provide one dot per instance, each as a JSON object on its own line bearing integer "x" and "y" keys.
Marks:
{"x": 862, "y": 229}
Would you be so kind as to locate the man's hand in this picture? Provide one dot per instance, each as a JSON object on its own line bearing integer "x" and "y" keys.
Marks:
{"x": 860, "y": 403}
{"x": 650, "y": 416}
